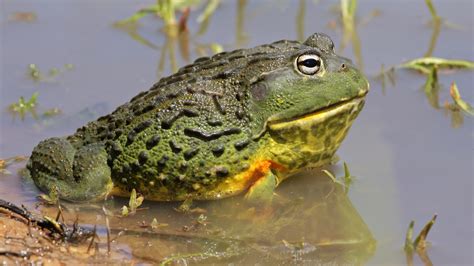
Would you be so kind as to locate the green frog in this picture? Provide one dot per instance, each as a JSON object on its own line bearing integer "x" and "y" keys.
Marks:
{"x": 236, "y": 122}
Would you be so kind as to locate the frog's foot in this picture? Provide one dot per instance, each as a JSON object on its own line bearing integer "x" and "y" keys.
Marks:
{"x": 261, "y": 191}
{"x": 77, "y": 175}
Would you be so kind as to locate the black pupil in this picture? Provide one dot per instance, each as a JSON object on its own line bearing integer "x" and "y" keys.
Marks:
{"x": 310, "y": 63}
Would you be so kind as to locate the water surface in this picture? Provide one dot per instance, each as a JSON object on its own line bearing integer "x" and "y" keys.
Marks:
{"x": 409, "y": 160}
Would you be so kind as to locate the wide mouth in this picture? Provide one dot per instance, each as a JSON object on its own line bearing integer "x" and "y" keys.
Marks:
{"x": 322, "y": 113}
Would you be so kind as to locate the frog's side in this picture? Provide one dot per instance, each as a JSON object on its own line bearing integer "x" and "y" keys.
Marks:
{"x": 242, "y": 120}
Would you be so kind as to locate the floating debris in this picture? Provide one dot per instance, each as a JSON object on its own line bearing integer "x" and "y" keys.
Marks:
{"x": 23, "y": 17}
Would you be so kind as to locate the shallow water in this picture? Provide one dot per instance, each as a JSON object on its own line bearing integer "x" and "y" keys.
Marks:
{"x": 409, "y": 160}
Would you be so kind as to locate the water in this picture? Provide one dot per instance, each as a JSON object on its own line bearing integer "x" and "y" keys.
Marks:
{"x": 410, "y": 162}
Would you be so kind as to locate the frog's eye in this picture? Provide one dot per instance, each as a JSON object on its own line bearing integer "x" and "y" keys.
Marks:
{"x": 308, "y": 64}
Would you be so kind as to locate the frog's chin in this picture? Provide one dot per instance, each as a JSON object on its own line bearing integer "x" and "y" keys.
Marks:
{"x": 320, "y": 115}
{"x": 313, "y": 139}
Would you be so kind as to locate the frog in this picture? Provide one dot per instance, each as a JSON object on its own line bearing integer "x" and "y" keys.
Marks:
{"x": 235, "y": 123}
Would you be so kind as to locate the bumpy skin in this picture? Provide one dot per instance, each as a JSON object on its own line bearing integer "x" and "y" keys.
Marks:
{"x": 213, "y": 129}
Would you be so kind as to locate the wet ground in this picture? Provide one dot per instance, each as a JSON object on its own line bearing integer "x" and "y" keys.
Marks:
{"x": 412, "y": 158}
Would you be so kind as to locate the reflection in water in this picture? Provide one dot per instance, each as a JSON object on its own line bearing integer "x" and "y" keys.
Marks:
{"x": 434, "y": 36}
{"x": 300, "y": 20}
{"x": 349, "y": 30}
{"x": 432, "y": 87}
{"x": 348, "y": 10}
{"x": 311, "y": 220}
{"x": 132, "y": 30}
{"x": 240, "y": 36}
{"x": 177, "y": 35}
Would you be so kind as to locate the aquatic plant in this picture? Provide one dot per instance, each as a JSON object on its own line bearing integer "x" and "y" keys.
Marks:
{"x": 35, "y": 74}
{"x": 22, "y": 106}
{"x": 166, "y": 10}
{"x": 466, "y": 107}
{"x": 432, "y": 9}
{"x": 425, "y": 64}
{"x": 133, "y": 204}
{"x": 430, "y": 66}
{"x": 419, "y": 245}
{"x": 347, "y": 179}
{"x": 175, "y": 31}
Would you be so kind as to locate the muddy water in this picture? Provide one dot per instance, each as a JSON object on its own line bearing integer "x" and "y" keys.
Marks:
{"x": 411, "y": 159}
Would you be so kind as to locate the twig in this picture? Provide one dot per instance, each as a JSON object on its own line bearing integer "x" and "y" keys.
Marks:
{"x": 92, "y": 239}
{"x": 108, "y": 229}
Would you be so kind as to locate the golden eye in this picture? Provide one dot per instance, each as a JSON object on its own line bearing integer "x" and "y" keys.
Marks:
{"x": 308, "y": 64}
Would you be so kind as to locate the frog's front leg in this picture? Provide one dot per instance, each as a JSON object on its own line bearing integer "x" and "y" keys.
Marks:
{"x": 261, "y": 191}
{"x": 77, "y": 175}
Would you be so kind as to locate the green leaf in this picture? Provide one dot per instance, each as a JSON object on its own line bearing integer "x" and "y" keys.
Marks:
{"x": 426, "y": 63}
{"x": 135, "y": 201}
{"x": 420, "y": 241}
{"x": 347, "y": 178}
{"x": 333, "y": 178}
{"x": 409, "y": 248}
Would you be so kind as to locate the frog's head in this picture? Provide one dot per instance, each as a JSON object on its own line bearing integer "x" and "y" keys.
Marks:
{"x": 311, "y": 91}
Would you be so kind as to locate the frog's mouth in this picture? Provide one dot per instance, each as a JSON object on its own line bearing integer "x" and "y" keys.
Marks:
{"x": 322, "y": 114}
